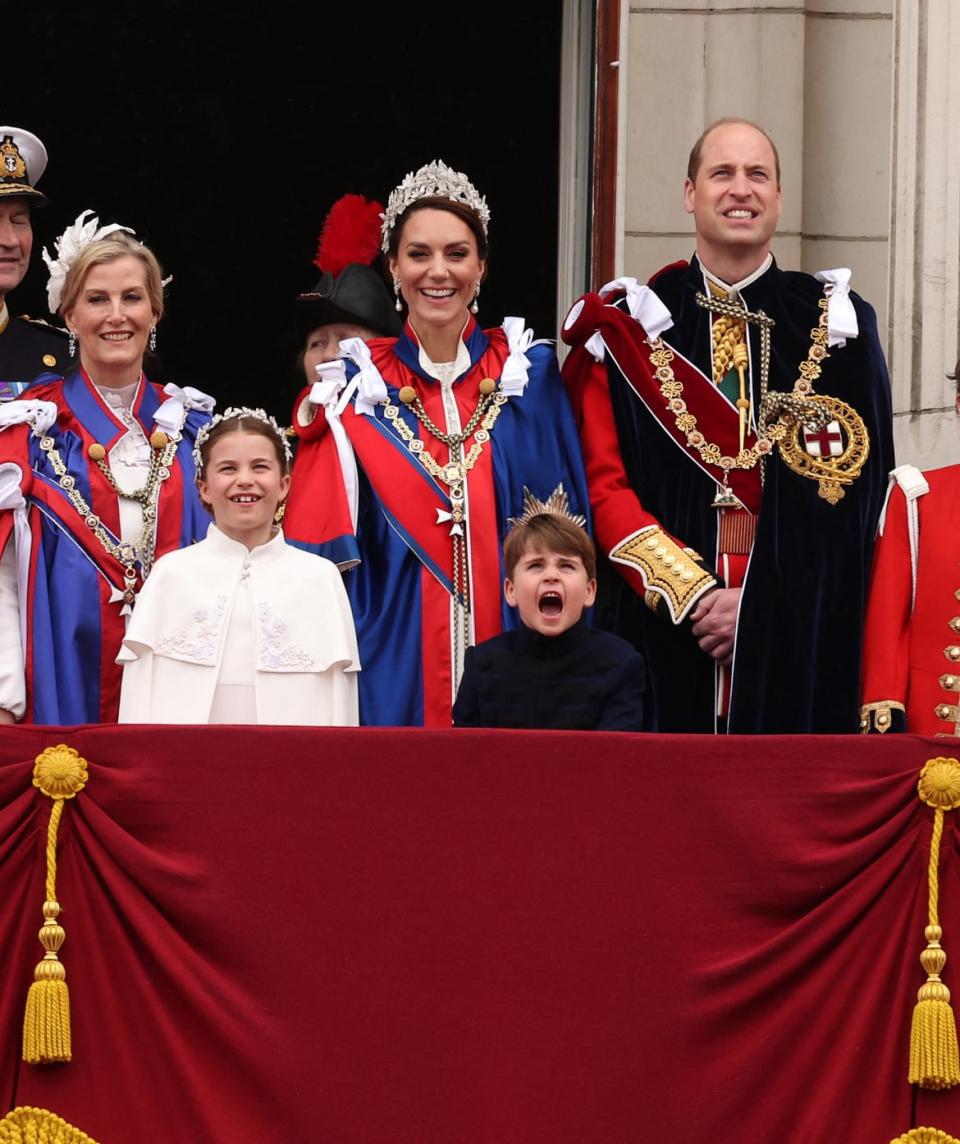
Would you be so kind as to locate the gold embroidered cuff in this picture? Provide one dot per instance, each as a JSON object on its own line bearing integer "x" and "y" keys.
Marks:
{"x": 672, "y": 575}
{"x": 878, "y": 716}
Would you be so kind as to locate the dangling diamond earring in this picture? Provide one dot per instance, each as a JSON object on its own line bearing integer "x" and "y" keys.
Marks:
{"x": 398, "y": 305}
{"x": 153, "y": 339}
{"x": 473, "y": 305}
{"x": 72, "y": 344}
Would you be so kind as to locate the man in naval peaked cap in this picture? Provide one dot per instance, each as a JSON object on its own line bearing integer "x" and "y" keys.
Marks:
{"x": 28, "y": 347}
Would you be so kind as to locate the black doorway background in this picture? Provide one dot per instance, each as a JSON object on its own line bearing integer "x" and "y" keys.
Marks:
{"x": 223, "y": 138}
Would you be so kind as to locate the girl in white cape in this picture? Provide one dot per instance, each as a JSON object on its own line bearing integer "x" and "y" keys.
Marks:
{"x": 242, "y": 627}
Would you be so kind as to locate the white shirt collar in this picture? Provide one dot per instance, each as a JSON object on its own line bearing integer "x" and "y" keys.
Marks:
{"x": 734, "y": 288}
{"x": 436, "y": 370}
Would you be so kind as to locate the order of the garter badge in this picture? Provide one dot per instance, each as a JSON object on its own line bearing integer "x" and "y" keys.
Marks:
{"x": 833, "y": 453}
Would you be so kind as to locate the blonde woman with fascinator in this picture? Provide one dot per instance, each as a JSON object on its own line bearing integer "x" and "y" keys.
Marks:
{"x": 96, "y": 482}
{"x": 415, "y": 452}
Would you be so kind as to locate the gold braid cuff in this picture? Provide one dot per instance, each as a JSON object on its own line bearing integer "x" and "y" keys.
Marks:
{"x": 934, "y": 1058}
{"x": 879, "y": 716}
{"x": 59, "y": 773}
{"x": 673, "y": 575}
{"x": 24, "y": 1125}
{"x": 925, "y": 1136}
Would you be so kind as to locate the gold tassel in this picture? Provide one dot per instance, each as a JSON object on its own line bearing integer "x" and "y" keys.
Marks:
{"x": 59, "y": 773}
{"x": 46, "y": 1023}
{"x": 934, "y": 1056}
{"x": 25, "y": 1125}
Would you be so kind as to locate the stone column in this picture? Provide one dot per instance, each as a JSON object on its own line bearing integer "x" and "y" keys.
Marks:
{"x": 925, "y": 225}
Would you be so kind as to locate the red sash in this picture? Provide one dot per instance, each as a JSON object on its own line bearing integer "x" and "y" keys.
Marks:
{"x": 717, "y": 419}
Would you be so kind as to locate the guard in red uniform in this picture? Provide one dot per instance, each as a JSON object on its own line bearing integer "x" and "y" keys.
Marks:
{"x": 911, "y": 650}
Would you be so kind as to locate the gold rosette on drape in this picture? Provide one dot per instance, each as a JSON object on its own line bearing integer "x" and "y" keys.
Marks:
{"x": 26, "y": 1125}
{"x": 925, "y": 1136}
{"x": 59, "y": 773}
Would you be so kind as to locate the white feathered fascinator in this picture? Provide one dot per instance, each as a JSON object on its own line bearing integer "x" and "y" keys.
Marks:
{"x": 78, "y": 235}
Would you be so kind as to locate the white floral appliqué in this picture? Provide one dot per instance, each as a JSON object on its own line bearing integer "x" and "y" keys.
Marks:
{"x": 275, "y": 654}
{"x": 199, "y": 642}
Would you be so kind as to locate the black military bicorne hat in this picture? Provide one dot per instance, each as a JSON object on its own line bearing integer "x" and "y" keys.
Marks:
{"x": 350, "y": 290}
{"x": 356, "y": 296}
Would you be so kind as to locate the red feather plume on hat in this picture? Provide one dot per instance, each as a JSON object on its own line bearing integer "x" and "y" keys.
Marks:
{"x": 351, "y": 233}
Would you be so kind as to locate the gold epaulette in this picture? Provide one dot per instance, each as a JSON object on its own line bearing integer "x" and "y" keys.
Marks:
{"x": 44, "y": 324}
{"x": 673, "y": 575}
{"x": 878, "y": 716}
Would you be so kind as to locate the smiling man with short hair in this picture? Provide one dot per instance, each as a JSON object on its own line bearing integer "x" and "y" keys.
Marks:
{"x": 737, "y": 430}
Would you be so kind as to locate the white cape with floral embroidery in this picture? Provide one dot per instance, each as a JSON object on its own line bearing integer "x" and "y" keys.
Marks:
{"x": 303, "y": 642}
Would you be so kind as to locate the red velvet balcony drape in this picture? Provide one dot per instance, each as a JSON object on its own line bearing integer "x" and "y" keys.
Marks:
{"x": 415, "y": 937}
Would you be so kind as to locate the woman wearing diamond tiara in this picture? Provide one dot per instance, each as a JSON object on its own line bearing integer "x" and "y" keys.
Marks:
{"x": 242, "y": 627}
{"x": 413, "y": 459}
{"x": 96, "y": 481}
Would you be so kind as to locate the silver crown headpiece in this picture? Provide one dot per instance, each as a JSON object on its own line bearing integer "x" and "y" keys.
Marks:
{"x": 236, "y": 413}
{"x": 434, "y": 180}
{"x": 556, "y": 504}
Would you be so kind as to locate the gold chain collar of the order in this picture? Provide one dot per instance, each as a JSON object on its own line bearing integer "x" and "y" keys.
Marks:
{"x": 453, "y": 475}
{"x": 163, "y": 451}
{"x": 782, "y": 416}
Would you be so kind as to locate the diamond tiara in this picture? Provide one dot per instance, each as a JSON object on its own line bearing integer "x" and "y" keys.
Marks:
{"x": 434, "y": 180}
{"x": 235, "y": 413}
{"x": 556, "y": 504}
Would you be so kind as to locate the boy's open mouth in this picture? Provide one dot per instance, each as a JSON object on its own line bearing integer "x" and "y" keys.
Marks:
{"x": 550, "y": 604}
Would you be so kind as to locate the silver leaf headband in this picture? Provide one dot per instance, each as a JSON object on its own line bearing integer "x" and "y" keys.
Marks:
{"x": 434, "y": 180}
{"x": 238, "y": 413}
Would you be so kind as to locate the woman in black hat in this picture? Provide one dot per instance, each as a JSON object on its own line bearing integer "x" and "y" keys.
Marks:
{"x": 351, "y": 298}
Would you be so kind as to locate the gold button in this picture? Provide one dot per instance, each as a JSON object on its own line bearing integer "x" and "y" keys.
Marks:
{"x": 955, "y": 623}
{"x": 668, "y": 560}
{"x": 949, "y": 682}
{"x": 882, "y": 719}
{"x": 49, "y": 359}
{"x": 652, "y": 543}
{"x": 943, "y": 711}
{"x": 487, "y": 386}
{"x": 952, "y": 652}
{"x": 407, "y": 394}
{"x": 661, "y": 551}
{"x": 687, "y": 576}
